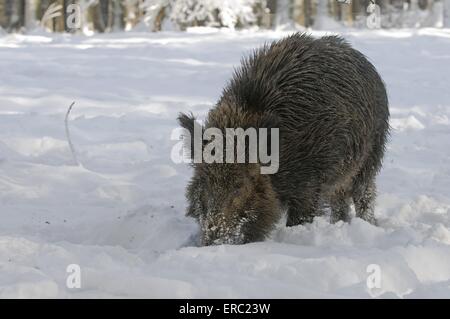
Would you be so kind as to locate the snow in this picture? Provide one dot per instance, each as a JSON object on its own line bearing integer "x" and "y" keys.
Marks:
{"x": 120, "y": 213}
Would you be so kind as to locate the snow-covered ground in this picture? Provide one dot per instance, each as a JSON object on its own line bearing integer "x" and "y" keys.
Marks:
{"x": 120, "y": 214}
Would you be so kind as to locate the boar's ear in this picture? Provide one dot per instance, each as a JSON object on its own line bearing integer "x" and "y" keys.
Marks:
{"x": 189, "y": 122}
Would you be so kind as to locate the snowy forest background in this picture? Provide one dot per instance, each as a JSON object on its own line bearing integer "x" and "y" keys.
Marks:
{"x": 156, "y": 15}
{"x": 109, "y": 199}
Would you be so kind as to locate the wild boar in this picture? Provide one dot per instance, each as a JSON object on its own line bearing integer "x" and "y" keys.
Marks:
{"x": 331, "y": 108}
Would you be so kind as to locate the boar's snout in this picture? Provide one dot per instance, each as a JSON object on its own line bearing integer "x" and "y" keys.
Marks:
{"x": 231, "y": 232}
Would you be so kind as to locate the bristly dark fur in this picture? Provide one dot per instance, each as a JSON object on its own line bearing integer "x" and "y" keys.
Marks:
{"x": 331, "y": 107}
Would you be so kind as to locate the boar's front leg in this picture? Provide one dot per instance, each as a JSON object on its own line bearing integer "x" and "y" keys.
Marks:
{"x": 302, "y": 211}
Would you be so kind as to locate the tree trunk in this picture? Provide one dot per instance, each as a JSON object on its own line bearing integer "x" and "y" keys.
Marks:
{"x": 307, "y": 5}
{"x": 65, "y": 4}
{"x": 101, "y": 16}
{"x": 110, "y": 15}
{"x": 356, "y": 8}
{"x": 13, "y": 12}
{"x": 118, "y": 15}
{"x": 348, "y": 14}
{"x": 322, "y": 13}
{"x": 30, "y": 14}
{"x": 282, "y": 8}
{"x": 130, "y": 14}
{"x": 446, "y": 13}
{"x": 3, "y": 16}
{"x": 298, "y": 12}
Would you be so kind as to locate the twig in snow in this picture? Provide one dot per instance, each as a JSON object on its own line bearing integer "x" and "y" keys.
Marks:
{"x": 69, "y": 140}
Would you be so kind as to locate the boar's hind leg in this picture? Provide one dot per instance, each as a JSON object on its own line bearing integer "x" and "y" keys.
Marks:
{"x": 364, "y": 194}
{"x": 340, "y": 207}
